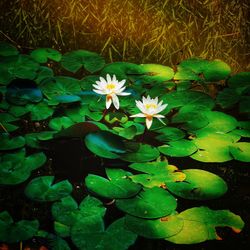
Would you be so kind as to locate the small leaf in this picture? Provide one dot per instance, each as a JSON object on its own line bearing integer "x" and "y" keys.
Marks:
{"x": 42, "y": 55}
{"x": 241, "y": 151}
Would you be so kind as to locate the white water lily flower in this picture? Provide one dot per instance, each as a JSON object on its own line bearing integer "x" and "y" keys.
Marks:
{"x": 150, "y": 108}
{"x": 111, "y": 88}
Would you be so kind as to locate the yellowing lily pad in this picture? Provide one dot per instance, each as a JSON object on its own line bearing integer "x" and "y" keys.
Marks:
{"x": 241, "y": 151}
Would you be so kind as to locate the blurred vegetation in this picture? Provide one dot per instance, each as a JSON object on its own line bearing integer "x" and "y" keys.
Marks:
{"x": 141, "y": 31}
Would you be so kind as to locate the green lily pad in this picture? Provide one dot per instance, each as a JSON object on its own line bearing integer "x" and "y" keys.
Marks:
{"x": 245, "y": 104}
{"x": 185, "y": 74}
{"x": 74, "y": 60}
{"x": 169, "y": 134}
{"x": 128, "y": 133}
{"x": 241, "y": 151}
{"x": 219, "y": 122}
{"x": 60, "y": 123}
{"x": 9, "y": 143}
{"x": 43, "y": 74}
{"x": 16, "y": 168}
{"x": 7, "y": 49}
{"x": 38, "y": 112}
{"x": 117, "y": 186}
{"x": 41, "y": 55}
{"x": 200, "y": 225}
{"x": 64, "y": 99}
{"x": 178, "y": 148}
{"x": 159, "y": 174}
{"x": 42, "y": 189}
{"x": 177, "y": 99}
{"x": 199, "y": 185}
{"x": 33, "y": 139}
{"x": 122, "y": 70}
{"x": 149, "y": 203}
{"x": 60, "y": 85}
{"x": 105, "y": 144}
{"x": 227, "y": 98}
{"x": 239, "y": 80}
{"x": 66, "y": 212}
{"x": 116, "y": 117}
{"x": 13, "y": 232}
{"x": 156, "y": 73}
{"x": 143, "y": 153}
{"x": 154, "y": 229}
{"x": 90, "y": 234}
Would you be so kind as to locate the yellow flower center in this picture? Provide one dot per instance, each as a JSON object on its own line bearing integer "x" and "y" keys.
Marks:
{"x": 151, "y": 105}
{"x": 110, "y": 86}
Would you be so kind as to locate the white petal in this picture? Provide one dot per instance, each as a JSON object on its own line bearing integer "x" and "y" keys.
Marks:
{"x": 100, "y": 92}
{"x": 115, "y": 101}
{"x": 149, "y": 122}
{"x": 144, "y": 100}
{"x": 159, "y": 109}
{"x": 161, "y": 120}
{"x": 108, "y": 78}
{"x": 103, "y": 80}
{"x": 121, "y": 83}
{"x": 138, "y": 115}
{"x": 120, "y": 89}
{"x": 97, "y": 86}
{"x": 114, "y": 78}
{"x": 159, "y": 116}
{"x": 108, "y": 102}
{"x": 123, "y": 93}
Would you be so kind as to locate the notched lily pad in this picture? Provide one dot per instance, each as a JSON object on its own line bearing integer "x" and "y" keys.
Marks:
{"x": 118, "y": 184}
{"x": 42, "y": 189}
{"x": 9, "y": 143}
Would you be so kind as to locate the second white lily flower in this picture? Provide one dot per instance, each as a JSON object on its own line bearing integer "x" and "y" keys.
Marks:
{"x": 112, "y": 88}
{"x": 150, "y": 108}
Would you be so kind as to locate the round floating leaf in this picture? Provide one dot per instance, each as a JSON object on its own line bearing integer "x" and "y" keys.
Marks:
{"x": 199, "y": 185}
{"x": 105, "y": 144}
{"x": 169, "y": 134}
{"x": 9, "y": 143}
{"x": 192, "y": 232}
{"x": 183, "y": 73}
{"x": 200, "y": 224}
{"x": 11, "y": 232}
{"x": 240, "y": 80}
{"x": 241, "y": 151}
{"x": 7, "y": 49}
{"x": 23, "y": 91}
{"x": 154, "y": 229}
{"x": 149, "y": 203}
{"x": 64, "y": 99}
{"x": 219, "y": 122}
{"x": 143, "y": 153}
{"x": 178, "y": 148}
{"x": 156, "y": 73}
{"x": 42, "y": 55}
{"x": 216, "y": 70}
{"x": 182, "y": 98}
{"x": 121, "y": 70}
{"x": 74, "y": 60}
{"x": 43, "y": 74}
{"x": 242, "y": 132}
{"x": 118, "y": 185}
{"x": 16, "y": 168}
{"x": 60, "y": 85}
{"x": 60, "y": 123}
{"x": 227, "y": 98}
{"x": 128, "y": 133}
{"x": 42, "y": 189}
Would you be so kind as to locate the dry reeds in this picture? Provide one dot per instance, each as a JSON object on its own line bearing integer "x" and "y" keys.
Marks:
{"x": 141, "y": 31}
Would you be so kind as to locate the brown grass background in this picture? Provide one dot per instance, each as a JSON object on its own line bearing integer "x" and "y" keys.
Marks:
{"x": 140, "y": 31}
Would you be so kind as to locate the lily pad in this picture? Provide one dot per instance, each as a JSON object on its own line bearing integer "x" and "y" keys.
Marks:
{"x": 117, "y": 186}
{"x": 42, "y": 189}
{"x": 149, "y": 203}
{"x": 199, "y": 185}
{"x": 200, "y": 225}
{"x": 105, "y": 144}
{"x": 227, "y": 98}
{"x": 9, "y": 143}
{"x": 143, "y": 153}
{"x": 41, "y": 55}
{"x": 74, "y": 60}
{"x": 155, "y": 229}
{"x": 169, "y": 134}
{"x": 178, "y": 148}
{"x": 7, "y": 49}
{"x": 16, "y": 168}
{"x": 60, "y": 85}
{"x": 13, "y": 232}
{"x": 239, "y": 80}
{"x": 60, "y": 123}
{"x": 241, "y": 151}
